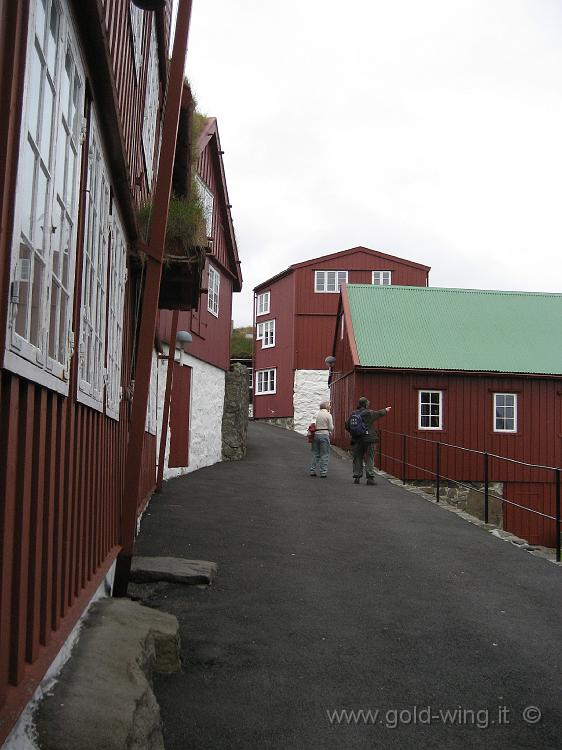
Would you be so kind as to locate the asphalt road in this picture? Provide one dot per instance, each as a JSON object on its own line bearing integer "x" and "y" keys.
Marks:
{"x": 334, "y": 597}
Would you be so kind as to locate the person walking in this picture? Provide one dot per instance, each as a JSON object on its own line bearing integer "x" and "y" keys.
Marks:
{"x": 321, "y": 442}
{"x": 364, "y": 439}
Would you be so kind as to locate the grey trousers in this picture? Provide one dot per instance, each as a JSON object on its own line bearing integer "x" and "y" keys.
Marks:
{"x": 363, "y": 452}
{"x": 320, "y": 454}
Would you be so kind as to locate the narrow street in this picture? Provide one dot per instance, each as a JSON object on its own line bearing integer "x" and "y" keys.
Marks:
{"x": 333, "y": 597}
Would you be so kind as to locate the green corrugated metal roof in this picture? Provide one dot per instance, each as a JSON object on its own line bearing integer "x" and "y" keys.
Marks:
{"x": 456, "y": 329}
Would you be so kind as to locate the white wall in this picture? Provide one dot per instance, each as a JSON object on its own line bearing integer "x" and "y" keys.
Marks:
{"x": 205, "y": 414}
{"x": 310, "y": 388}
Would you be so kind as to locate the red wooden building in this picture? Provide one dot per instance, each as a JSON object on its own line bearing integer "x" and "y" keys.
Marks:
{"x": 84, "y": 140}
{"x": 294, "y": 317}
{"x": 476, "y": 369}
{"x": 197, "y": 385}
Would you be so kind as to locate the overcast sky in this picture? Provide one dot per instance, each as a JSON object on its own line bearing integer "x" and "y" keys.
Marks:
{"x": 428, "y": 130}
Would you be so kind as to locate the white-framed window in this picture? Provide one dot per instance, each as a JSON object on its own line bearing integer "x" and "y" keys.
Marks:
{"x": 329, "y": 281}
{"x": 262, "y": 303}
{"x": 117, "y": 281}
{"x": 430, "y": 410}
{"x": 265, "y": 381}
{"x": 151, "y": 415}
{"x": 505, "y": 412}
{"x": 213, "y": 293}
{"x": 39, "y": 336}
{"x": 136, "y": 16}
{"x": 91, "y": 352}
{"x": 151, "y": 106}
{"x": 207, "y": 202}
{"x": 382, "y": 278}
{"x": 265, "y": 332}
{"x": 250, "y": 378}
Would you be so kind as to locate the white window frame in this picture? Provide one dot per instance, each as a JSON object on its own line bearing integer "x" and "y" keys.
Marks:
{"x": 207, "y": 201}
{"x": 262, "y": 303}
{"x": 91, "y": 350}
{"x": 421, "y": 426}
{"x": 325, "y": 283}
{"x": 151, "y": 103}
{"x": 512, "y": 406}
{"x": 381, "y": 278}
{"x": 266, "y": 333}
{"x": 250, "y": 378}
{"x": 267, "y": 378}
{"x": 50, "y": 158}
{"x": 117, "y": 282}
{"x": 136, "y": 17}
{"x": 213, "y": 294}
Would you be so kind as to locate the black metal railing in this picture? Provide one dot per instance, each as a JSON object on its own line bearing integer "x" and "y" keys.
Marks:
{"x": 436, "y": 472}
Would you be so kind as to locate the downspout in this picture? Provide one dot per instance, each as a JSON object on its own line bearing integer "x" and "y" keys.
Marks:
{"x": 154, "y": 250}
{"x": 167, "y": 398}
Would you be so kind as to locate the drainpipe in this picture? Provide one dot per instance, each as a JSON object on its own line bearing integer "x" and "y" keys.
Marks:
{"x": 154, "y": 250}
{"x": 167, "y": 398}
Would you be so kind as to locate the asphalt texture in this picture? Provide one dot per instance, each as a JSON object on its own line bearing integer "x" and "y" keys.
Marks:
{"x": 334, "y": 597}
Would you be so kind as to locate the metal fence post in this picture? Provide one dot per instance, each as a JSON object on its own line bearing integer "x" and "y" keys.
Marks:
{"x": 404, "y": 459}
{"x": 557, "y": 515}
{"x": 438, "y": 470}
{"x": 486, "y": 488}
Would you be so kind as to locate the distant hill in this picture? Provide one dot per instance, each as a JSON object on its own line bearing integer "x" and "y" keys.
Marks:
{"x": 240, "y": 343}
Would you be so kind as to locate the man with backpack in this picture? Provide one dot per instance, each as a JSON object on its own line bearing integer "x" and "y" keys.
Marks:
{"x": 363, "y": 439}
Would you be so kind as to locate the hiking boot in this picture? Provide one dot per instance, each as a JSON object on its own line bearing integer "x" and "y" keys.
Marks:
{"x": 371, "y": 481}
{"x": 356, "y": 480}
{"x": 312, "y": 474}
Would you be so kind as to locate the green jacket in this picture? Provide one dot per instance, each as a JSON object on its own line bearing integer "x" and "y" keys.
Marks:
{"x": 369, "y": 417}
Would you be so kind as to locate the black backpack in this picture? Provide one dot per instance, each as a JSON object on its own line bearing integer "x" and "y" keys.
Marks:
{"x": 356, "y": 426}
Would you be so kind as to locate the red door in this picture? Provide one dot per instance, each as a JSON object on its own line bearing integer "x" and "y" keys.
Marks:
{"x": 179, "y": 417}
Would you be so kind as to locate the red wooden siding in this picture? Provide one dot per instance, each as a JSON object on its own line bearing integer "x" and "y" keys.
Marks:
{"x": 61, "y": 463}
{"x": 468, "y": 414}
{"x": 179, "y": 417}
{"x": 280, "y": 356}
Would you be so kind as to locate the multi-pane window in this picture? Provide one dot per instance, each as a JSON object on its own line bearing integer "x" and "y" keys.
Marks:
{"x": 151, "y": 106}
{"x": 137, "y": 20}
{"x": 382, "y": 278}
{"x": 430, "y": 410}
{"x": 207, "y": 203}
{"x": 265, "y": 332}
{"x": 94, "y": 276}
{"x": 329, "y": 281}
{"x": 505, "y": 412}
{"x": 213, "y": 293}
{"x": 117, "y": 280}
{"x": 262, "y": 304}
{"x": 265, "y": 381}
{"x": 39, "y": 337}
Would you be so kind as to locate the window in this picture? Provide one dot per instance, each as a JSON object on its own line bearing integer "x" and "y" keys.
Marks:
{"x": 329, "y": 281}
{"x": 250, "y": 378}
{"x": 262, "y": 304}
{"x": 151, "y": 106}
{"x": 430, "y": 410}
{"x": 505, "y": 412}
{"x": 117, "y": 281}
{"x": 39, "y": 336}
{"x": 382, "y": 278}
{"x": 94, "y": 276}
{"x": 265, "y": 332}
{"x": 213, "y": 294}
{"x": 207, "y": 201}
{"x": 265, "y": 381}
{"x": 137, "y": 21}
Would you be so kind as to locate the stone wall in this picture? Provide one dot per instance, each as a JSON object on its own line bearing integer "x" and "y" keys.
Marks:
{"x": 310, "y": 388}
{"x": 469, "y": 497}
{"x": 235, "y": 415}
{"x": 288, "y": 423}
{"x": 205, "y": 414}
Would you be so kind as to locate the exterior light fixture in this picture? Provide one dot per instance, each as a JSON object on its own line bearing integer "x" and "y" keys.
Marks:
{"x": 183, "y": 338}
{"x": 330, "y": 361}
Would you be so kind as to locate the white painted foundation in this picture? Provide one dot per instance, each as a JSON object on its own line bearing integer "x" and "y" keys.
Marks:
{"x": 205, "y": 414}
{"x": 310, "y": 388}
